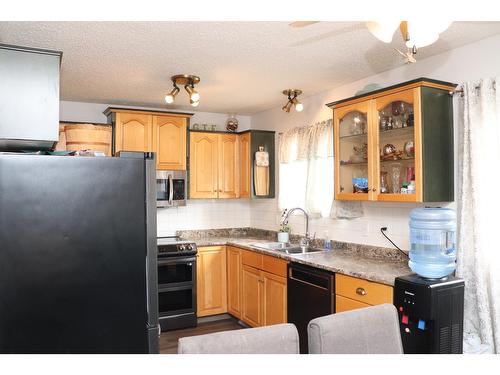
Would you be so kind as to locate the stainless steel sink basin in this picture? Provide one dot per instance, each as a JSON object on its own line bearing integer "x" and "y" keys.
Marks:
{"x": 286, "y": 248}
{"x": 271, "y": 245}
{"x": 300, "y": 250}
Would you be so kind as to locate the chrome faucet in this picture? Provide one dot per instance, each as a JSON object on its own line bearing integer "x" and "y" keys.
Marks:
{"x": 304, "y": 242}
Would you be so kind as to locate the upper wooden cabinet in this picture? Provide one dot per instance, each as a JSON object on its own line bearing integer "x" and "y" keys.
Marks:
{"x": 228, "y": 175}
{"x": 203, "y": 165}
{"x": 245, "y": 158}
{"x": 133, "y": 132}
{"x": 169, "y": 141}
{"x": 221, "y": 164}
{"x": 160, "y": 132}
{"x": 395, "y": 144}
{"x": 213, "y": 168}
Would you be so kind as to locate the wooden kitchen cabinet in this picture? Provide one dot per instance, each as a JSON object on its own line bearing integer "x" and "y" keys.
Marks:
{"x": 264, "y": 289}
{"x": 354, "y": 293}
{"x": 213, "y": 168}
{"x": 252, "y": 296}
{"x": 234, "y": 275}
{"x": 393, "y": 137}
{"x": 133, "y": 132}
{"x": 346, "y": 304}
{"x": 211, "y": 282}
{"x": 204, "y": 165}
{"x": 228, "y": 166}
{"x": 244, "y": 164}
{"x": 163, "y": 133}
{"x": 169, "y": 142}
{"x": 275, "y": 299}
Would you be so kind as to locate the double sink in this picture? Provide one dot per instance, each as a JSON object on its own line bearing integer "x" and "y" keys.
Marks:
{"x": 286, "y": 248}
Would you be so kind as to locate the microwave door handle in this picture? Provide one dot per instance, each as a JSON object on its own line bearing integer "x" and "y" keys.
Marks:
{"x": 171, "y": 190}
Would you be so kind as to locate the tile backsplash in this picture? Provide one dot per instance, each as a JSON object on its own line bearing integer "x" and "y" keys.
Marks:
{"x": 364, "y": 230}
{"x": 204, "y": 214}
{"x": 264, "y": 214}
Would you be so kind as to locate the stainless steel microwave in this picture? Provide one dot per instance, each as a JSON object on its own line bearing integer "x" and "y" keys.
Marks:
{"x": 171, "y": 188}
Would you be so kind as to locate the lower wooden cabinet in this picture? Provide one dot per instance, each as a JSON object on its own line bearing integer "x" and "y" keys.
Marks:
{"x": 211, "y": 282}
{"x": 234, "y": 281}
{"x": 346, "y": 304}
{"x": 264, "y": 294}
{"x": 275, "y": 299}
{"x": 353, "y": 293}
{"x": 252, "y": 296}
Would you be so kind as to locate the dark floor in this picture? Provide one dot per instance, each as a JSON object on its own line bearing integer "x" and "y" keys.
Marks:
{"x": 168, "y": 340}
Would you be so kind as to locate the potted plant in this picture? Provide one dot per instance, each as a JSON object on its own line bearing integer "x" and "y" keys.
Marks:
{"x": 284, "y": 233}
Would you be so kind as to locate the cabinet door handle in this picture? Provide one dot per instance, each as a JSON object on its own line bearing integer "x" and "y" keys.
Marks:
{"x": 374, "y": 189}
{"x": 361, "y": 291}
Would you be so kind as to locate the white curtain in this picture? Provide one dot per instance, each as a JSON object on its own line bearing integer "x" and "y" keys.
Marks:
{"x": 306, "y": 172}
{"x": 478, "y": 212}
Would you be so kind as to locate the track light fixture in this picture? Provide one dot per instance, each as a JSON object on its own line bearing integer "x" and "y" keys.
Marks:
{"x": 188, "y": 81}
{"x": 292, "y": 100}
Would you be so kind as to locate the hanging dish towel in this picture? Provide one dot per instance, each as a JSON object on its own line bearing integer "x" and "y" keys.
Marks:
{"x": 261, "y": 172}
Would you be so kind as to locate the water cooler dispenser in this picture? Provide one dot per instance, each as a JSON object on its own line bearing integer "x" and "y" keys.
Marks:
{"x": 431, "y": 314}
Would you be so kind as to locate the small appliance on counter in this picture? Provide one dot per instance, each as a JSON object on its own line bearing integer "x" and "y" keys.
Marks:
{"x": 431, "y": 314}
{"x": 176, "y": 283}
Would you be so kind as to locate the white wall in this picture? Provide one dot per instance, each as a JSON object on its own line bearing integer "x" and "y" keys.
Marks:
{"x": 467, "y": 63}
{"x": 93, "y": 112}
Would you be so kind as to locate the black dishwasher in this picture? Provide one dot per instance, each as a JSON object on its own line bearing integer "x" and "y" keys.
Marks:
{"x": 311, "y": 294}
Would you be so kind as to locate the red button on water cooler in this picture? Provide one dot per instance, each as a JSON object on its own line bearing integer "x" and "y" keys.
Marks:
{"x": 404, "y": 319}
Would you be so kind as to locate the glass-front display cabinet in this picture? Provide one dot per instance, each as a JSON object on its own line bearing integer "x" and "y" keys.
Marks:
{"x": 351, "y": 124}
{"x": 395, "y": 144}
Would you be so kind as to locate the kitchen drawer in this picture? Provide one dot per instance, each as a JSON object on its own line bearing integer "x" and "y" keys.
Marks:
{"x": 274, "y": 265}
{"x": 362, "y": 290}
{"x": 252, "y": 259}
{"x": 346, "y": 304}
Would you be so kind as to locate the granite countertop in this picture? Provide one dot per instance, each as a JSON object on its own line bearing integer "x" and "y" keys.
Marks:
{"x": 340, "y": 260}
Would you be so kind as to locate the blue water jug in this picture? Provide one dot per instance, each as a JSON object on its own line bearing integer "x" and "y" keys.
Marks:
{"x": 432, "y": 240}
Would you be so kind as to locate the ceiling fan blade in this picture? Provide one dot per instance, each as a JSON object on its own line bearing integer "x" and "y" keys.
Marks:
{"x": 298, "y": 24}
{"x": 401, "y": 53}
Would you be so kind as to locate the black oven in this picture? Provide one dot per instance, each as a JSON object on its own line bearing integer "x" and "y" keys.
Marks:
{"x": 177, "y": 292}
{"x": 176, "y": 271}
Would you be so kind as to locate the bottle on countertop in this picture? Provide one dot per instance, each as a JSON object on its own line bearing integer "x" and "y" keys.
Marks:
{"x": 328, "y": 242}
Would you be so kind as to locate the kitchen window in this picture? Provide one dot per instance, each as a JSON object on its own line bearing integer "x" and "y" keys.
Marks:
{"x": 306, "y": 168}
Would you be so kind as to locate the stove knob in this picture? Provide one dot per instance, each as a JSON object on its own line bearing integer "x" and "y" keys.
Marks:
{"x": 189, "y": 247}
{"x": 182, "y": 247}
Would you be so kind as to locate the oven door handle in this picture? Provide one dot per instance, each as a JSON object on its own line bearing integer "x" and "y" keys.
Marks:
{"x": 189, "y": 261}
{"x": 171, "y": 190}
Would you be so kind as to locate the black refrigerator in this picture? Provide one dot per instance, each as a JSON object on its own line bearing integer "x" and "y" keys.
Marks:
{"x": 78, "y": 257}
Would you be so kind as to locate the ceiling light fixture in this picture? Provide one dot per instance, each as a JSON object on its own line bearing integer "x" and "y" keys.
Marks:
{"x": 416, "y": 33}
{"x": 292, "y": 100}
{"x": 188, "y": 81}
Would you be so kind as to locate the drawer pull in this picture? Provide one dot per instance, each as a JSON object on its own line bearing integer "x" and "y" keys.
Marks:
{"x": 361, "y": 291}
